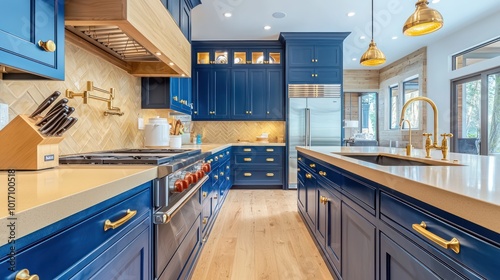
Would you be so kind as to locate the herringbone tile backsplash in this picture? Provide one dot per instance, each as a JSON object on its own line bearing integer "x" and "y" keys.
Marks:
{"x": 231, "y": 132}
{"x": 93, "y": 131}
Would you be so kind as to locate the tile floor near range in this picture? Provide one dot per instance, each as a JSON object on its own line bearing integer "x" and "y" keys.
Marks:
{"x": 260, "y": 235}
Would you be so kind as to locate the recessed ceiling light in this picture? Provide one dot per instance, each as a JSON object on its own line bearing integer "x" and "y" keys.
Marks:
{"x": 362, "y": 37}
{"x": 228, "y": 14}
{"x": 158, "y": 53}
{"x": 279, "y": 15}
{"x": 394, "y": 37}
{"x": 351, "y": 14}
{"x": 354, "y": 59}
{"x": 267, "y": 27}
{"x": 183, "y": 75}
{"x": 435, "y": 1}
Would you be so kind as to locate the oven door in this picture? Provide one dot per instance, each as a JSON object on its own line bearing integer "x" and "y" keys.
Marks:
{"x": 177, "y": 233}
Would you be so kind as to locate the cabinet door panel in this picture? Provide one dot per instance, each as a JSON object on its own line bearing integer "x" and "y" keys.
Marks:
{"x": 328, "y": 75}
{"x": 310, "y": 184}
{"x": 239, "y": 93}
{"x": 334, "y": 229}
{"x": 221, "y": 101}
{"x": 185, "y": 20}
{"x": 201, "y": 94}
{"x": 174, "y": 7}
{"x": 300, "y": 56}
{"x": 275, "y": 94}
{"x": 328, "y": 55}
{"x": 301, "y": 75}
{"x": 358, "y": 241}
{"x": 257, "y": 93}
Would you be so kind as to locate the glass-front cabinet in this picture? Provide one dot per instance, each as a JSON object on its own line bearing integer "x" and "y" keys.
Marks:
{"x": 212, "y": 56}
{"x": 257, "y": 56}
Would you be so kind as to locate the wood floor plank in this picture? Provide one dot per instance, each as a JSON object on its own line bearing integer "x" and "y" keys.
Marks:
{"x": 260, "y": 235}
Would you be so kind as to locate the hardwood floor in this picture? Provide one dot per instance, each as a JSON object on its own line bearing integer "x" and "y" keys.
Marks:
{"x": 260, "y": 235}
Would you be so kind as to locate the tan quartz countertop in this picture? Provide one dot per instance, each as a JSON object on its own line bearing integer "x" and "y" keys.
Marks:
{"x": 471, "y": 191}
{"x": 218, "y": 147}
{"x": 47, "y": 196}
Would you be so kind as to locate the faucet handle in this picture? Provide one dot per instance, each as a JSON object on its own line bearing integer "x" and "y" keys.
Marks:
{"x": 447, "y": 135}
{"x": 428, "y": 135}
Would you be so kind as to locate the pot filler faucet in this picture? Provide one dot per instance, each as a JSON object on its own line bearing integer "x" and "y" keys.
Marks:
{"x": 428, "y": 143}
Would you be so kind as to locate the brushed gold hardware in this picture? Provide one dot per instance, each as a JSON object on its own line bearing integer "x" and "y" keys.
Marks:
{"x": 216, "y": 158}
{"x": 268, "y": 112}
{"x": 322, "y": 173}
{"x": 227, "y": 166}
{"x": 113, "y": 225}
{"x": 250, "y": 112}
{"x": 227, "y": 152}
{"x": 270, "y": 174}
{"x": 312, "y": 165}
{"x": 175, "y": 98}
{"x": 312, "y": 60}
{"x": 48, "y": 46}
{"x": 308, "y": 176}
{"x": 216, "y": 177}
{"x": 247, "y": 159}
{"x": 222, "y": 174}
{"x": 246, "y": 112}
{"x": 453, "y": 244}
{"x": 249, "y": 62}
{"x": 227, "y": 178}
{"x": 215, "y": 197}
{"x": 87, "y": 94}
{"x": 247, "y": 150}
{"x": 409, "y": 147}
{"x": 196, "y": 112}
{"x": 444, "y": 145}
{"x": 321, "y": 199}
{"x": 269, "y": 150}
{"x": 221, "y": 155}
{"x": 247, "y": 174}
{"x": 205, "y": 220}
{"x": 204, "y": 239}
{"x": 299, "y": 158}
{"x": 298, "y": 169}
{"x": 24, "y": 274}
{"x": 269, "y": 159}
{"x": 315, "y": 75}
{"x": 312, "y": 75}
{"x": 315, "y": 60}
{"x": 204, "y": 194}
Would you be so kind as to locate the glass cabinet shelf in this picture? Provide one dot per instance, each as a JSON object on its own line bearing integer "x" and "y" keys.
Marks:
{"x": 212, "y": 57}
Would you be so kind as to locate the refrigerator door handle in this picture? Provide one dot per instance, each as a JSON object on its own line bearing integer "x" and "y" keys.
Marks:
{"x": 308, "y": 127}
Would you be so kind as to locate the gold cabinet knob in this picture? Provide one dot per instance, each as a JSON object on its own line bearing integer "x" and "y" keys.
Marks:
{"x": 227, "y": 178}
{"x": 247, "y": 159}
{"x": 216, "y": 177}
{"x": 222, "y": 174}
{"x": 267, "y": 112}
{"x": 204, "y": 194}
{"x": 205, "y": 220}
{"x": 24, "y": 274}
{"x": 175, "y": 98}
{"x": 129, "y": 214}
{"x": 312, "y": 75}
{"x": 250, "y": 112}
{"x": 312, "y": 165}
{"x": 312, "y": 60}
{"x": 322, "y": 173}
{"x": 196, "y": 112}
{"x": 247, "y": 174}
{"x": 308, "y": 176}
{"x": 270, "y": 174}
{"x": 48, "y": 46}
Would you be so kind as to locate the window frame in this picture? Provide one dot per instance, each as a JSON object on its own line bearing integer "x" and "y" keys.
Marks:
{"x": 469, "y": 50}
{"x": 398, "y": 106}
{"x": 416, "y": 104}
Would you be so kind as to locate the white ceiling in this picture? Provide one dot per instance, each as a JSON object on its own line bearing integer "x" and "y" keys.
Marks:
{"x": 250, "y": 16}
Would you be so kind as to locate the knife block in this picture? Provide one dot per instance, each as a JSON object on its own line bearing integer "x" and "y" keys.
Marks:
{"x": 23, "y": 147}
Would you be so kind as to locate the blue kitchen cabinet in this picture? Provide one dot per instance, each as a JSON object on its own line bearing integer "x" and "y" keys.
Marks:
{"x": 301, "y": 188}
{"x": 166, "y": 93}
{"x": 256, "y": 56}
{"x": 78, "y": 246}
{"x": 181, "y": 13}
{"x": 324, "y": 55}
{"x": 32, "y": 39}
{"x": 258, "y": 166}
{"x": 211, "y": 93}
{"x": 275, "y": 94}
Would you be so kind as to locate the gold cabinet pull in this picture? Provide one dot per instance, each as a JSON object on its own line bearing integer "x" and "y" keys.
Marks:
{"x": 308, "y": 176}
{"x": 270, "y": 174}
{"x": 113, "y": 225}
{"x": 24, "y": 274}
{"x": 216, "y": 177}
{"x": 247, "y": 174}
{"x": 227, "y": 153}
{"x": 312, "y": 165}
{"x": 227, "y": 178}
{"x": 216, "y": 158}
{"x": 298, "y": 169}
{"x": 204, "y": 194}
{"x": 299, "y": 158}
{"x": 175, "y": 98}
{"x": 269, "y": 150}
{"x": 247, "y": 159}
{"x": 227, "y": 167}
{"x": 221, "y": 174}
{"x": 221, "y": 155}
{"x": 453, "y": 244}
{"x": 205, "y": 220}
{"x": 48, "y": 46}
{"x": 269, "y": 159}
{"x": 322, "y": 173}
{"x": 247, "y": 150}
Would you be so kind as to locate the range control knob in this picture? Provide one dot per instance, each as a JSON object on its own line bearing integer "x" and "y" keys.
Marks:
{"x": 206, "y": 167}
{"x": 200, "y": 173}
{"x": 179, "y": 185}
{"x": 189, "y": 178}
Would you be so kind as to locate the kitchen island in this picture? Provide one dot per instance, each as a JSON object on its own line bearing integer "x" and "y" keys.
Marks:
{"x": 400, "y": 220}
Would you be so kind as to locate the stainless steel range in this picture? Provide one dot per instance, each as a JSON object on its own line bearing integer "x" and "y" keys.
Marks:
{"x": 176, "y": 192}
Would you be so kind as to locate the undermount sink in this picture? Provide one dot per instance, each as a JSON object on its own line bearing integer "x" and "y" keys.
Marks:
{"x": 395, "y": 160}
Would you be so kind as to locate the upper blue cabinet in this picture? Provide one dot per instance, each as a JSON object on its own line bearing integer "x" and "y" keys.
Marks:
{"x": 32, "y": 39}
{"x": 314, "y": 58}
{"x": 181, "y": 13}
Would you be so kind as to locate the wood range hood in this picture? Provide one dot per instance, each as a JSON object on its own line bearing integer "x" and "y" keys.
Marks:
{"x": 139, "y": 36}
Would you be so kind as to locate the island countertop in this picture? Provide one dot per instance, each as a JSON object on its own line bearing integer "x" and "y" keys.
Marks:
{"x": 470, "y": 190}
{"x": 46, "y": 196}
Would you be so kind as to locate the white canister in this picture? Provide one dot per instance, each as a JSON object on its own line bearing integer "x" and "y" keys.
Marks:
{"x": 157, "y": 133}
{"x": 175, "y": 141}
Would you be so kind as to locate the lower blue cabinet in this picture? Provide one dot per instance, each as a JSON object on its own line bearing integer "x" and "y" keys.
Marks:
{"x": 258, "y": 166}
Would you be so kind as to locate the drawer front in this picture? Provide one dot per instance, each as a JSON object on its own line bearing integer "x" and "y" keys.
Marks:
{"x": 222, "y": 155}
{"x": 271, "y": 159}
{"x": 474, "y": 253}
{"x": 70, "y": 246}
{"x": 307, "y": 162}
{"x": 246, "y": 176}
{"x": 333, "y": 176}
{"x": 359, "y": 191}
{"x": 206, "y": 188}
{"x": 258, "y": 149}
{"x": 206, "y": 213}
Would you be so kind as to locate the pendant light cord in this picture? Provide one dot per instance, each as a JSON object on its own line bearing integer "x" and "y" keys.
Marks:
{"x": 372, "y": 20}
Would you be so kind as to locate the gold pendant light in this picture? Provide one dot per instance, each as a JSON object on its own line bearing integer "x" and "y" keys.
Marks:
{"x": 423, "y": 21}
{"x": 373, "y": 56}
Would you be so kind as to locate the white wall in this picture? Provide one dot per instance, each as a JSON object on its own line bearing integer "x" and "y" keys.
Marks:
{"x": 439, "y": 74}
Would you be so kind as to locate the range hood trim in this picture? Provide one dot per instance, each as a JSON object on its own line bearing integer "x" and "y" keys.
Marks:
{"x": 147, "y": 22}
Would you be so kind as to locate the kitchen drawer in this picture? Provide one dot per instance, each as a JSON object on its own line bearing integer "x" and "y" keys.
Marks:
{"x": 71, "y": 247}
{"x": 206, "y": 213}
{"x": 224, "y": 154}
{"x": 271, "y": 159}
{"x": 475, "y": 253}
{"x": 307, "y": 162}
{"x": 251, "y": 176}
{"x": 258, "y": 149}
{"x": 333, "y": 176}
{"x": 360, "y": 192}
{"x": 206, "y": 188}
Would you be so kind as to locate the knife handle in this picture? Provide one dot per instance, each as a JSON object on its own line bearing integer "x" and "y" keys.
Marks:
{"x": 50, "y": 124}
{"x": 67, "y": 126}
{"x": 50, "y": 115}
{"x": 58, "y": 104}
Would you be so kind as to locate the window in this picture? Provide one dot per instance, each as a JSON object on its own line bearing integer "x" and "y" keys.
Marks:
{"x": 368, "y": 113}
{"x": 476, "y": 114}
{"x": 477, "y": 54}
{"x": 411, "y": 89}
{"x": 394, "y": 101}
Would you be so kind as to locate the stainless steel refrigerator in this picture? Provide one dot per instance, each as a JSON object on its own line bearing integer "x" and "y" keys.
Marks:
{"x": 314, "y": 119}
